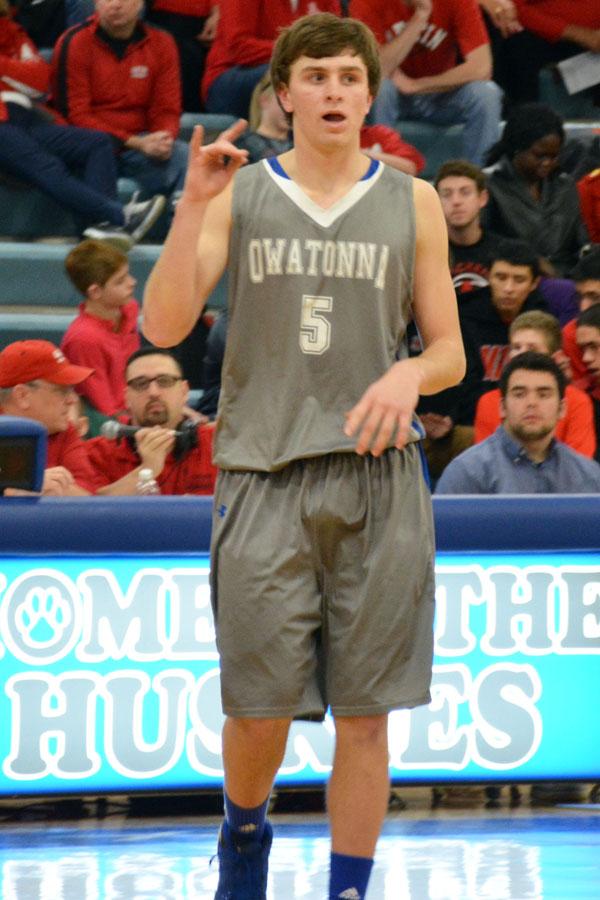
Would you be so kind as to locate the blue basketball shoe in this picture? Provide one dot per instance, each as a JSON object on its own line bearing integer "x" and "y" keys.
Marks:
{"x": 243, "y": 866}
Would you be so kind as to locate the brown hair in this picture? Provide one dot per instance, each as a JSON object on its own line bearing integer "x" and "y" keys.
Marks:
{"x": 543, "y": 322}
{"x": 320, "y": 35}
{"x": 93, "y": 262}
{"x": 461, "y": 168}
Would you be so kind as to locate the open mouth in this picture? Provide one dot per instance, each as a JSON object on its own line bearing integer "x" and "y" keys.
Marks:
{"x": 334, "y": 117}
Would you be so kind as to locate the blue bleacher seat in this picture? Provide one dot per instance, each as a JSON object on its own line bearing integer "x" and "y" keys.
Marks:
{"x": 569, "y": 106}
{"x": 213, "y": 125}
{"x": 42, "y": 326}
{"x": 437, "y": 143}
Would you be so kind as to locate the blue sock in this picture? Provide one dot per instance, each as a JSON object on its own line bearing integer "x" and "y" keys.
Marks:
{"x": 349, "y": 876}
{"x": 246, "y": 822}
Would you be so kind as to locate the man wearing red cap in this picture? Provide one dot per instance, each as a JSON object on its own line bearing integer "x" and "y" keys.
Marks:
{"x": 37, "y": 382}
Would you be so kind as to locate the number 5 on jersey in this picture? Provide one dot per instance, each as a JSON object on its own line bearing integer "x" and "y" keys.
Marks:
{"x": 315, "y": 329}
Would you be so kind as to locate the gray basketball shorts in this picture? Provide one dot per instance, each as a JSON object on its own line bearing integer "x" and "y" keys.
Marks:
{"x": 322, "y": 580}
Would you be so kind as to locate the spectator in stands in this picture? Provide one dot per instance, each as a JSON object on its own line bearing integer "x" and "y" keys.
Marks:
{"x": 586, "y": 276}
{"x": 530, "y": 198}
{"x": 543, "y": 32}
{"x": 242, "y": 48}
{"x": 487, "y": 316}
{"x": 104, "y": 334}
{"x": 193, "y": 24}
{"x": 588, "y": 341}
{"x": 38, "y": 382}
{"x": 268, "y": 131}
{"x": 485, "y": 319}
{"x": 463, "y": 194}
{"x": 540, "y": 332}
{"x": 47, "y": 153}
{"x": 437, "y": 66}
{"x": 523, "y": 455}
{"x": 177, "y": 450}
{"x": 117, "y": 74}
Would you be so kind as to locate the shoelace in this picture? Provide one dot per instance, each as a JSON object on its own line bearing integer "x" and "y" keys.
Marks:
{"x": 244, "y": 858}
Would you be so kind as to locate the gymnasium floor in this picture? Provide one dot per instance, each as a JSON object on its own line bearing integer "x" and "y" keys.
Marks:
{"x": 424, "y": 854}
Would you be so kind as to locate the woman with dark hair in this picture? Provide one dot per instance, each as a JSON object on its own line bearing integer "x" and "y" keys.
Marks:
{"x": 530, "y": 198}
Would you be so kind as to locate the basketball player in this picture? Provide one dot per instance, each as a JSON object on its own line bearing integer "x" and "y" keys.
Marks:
{"x": 322, "y": 547}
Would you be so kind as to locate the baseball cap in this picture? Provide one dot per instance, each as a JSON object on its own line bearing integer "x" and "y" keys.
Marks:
{"x": 25, "y": 361}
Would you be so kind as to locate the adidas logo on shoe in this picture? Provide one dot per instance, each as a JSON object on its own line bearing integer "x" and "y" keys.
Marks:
{"x": 350, "y": 894}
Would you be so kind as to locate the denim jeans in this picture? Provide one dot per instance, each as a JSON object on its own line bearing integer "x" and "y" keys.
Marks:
{"x": 476, "y": 105}
{"x": 231, "y": 92}
{"x": 154, "y": 175}
{"x": 74, "y": 166}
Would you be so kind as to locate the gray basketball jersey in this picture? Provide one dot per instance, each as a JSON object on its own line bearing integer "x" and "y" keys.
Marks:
{"x": 318, "y": 306}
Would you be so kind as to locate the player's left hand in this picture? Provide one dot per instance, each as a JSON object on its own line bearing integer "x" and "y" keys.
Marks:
{"x": 386, "y": 408}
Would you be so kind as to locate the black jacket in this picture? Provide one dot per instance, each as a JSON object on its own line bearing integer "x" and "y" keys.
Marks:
{"x": 552, "y": 226}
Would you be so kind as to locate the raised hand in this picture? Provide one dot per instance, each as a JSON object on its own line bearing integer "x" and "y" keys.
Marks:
{"x": 212, "y": 166}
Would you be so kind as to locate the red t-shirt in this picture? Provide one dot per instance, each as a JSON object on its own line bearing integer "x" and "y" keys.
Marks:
{"x": 576, "y": 428}
{"x": 192, "y": 473}
{"x": 65, "y": 448}
{"x": 93, "y": 342}
{"x": 247, "y": 31}
{"x": 455, "y": 28}
{"x": 549, "y": 18}
{"x": 389, "y": 141}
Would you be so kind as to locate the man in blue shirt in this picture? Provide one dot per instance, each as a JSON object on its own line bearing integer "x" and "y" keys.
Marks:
{"x": 523, "y": 456}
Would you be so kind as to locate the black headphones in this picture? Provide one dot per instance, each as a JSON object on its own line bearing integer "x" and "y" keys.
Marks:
{"x": 186, "y": 439}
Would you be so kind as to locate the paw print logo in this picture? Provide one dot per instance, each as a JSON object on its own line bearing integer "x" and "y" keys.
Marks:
{"x": 40, "y": 616}
{"x": 43, "y": 617}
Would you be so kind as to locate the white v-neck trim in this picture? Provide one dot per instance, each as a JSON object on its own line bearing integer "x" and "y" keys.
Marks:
{"x": 323, "y": 217}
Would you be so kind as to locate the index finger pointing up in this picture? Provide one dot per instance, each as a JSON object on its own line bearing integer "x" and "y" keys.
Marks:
{"x": 196, "y": 139}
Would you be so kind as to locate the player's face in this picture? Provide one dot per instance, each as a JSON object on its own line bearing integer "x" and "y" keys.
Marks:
{"x": 528, "y": 339}
{"x": 49, "y": 404}
{"x": 118, "y": 289}
{"x": 532, "y": 405}
{"x": 328, "y": 98}
{"x": 151, "y": 401}
{"x": 588, "y": 341}
{"x": 510, "y": 286}
{"x": 461, "y": 200}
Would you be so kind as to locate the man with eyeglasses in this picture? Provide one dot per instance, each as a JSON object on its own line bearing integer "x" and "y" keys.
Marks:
{"x": 37, "y": 382}
{"x": 177, "y": 449}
